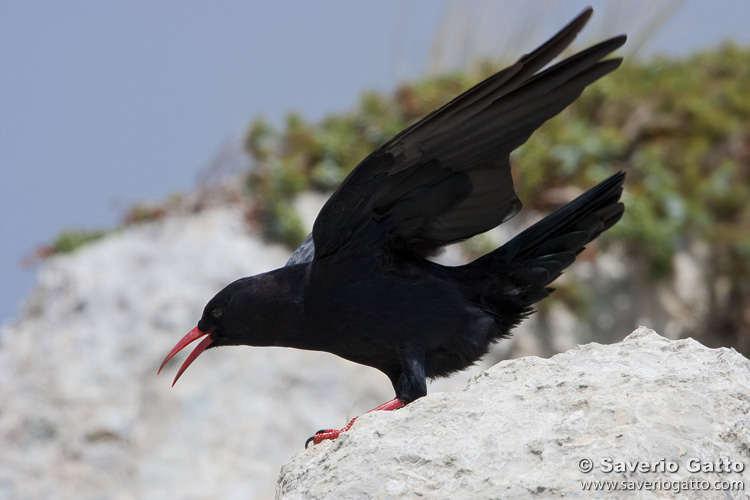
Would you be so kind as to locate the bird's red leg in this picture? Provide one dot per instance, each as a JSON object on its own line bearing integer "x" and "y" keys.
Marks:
{"x": 324, "y": 434}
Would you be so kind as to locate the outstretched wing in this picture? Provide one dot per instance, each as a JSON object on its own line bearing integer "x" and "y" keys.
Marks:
{"x": 447, "y": 177}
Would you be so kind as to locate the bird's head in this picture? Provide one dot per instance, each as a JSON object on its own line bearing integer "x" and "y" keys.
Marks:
{"x": 213, "y": 327}
{"x": 259, "y": 310}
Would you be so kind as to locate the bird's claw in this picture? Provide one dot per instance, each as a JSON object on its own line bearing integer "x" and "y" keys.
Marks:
{"x": 322, "y": 435}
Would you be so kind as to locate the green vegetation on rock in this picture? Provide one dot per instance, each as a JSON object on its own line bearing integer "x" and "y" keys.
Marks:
{"x": 70, "y": 240}
{"x": 680, "y": 128}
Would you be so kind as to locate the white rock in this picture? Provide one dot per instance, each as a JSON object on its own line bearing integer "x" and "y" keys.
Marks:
{"x": 83, "y": 414}
{"x": 520, "y": 429}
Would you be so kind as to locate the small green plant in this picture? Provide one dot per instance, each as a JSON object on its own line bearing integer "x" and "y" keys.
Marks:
{"x": 70, "y": 240}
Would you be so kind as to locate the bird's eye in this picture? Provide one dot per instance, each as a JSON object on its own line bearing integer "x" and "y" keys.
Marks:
{"x": 217, "y": 313}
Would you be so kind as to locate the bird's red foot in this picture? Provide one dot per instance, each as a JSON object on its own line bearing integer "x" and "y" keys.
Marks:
{"x": 324, "y": 434}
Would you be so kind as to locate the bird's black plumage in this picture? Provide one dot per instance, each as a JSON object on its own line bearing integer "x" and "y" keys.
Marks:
{"x": 361, "y": 286}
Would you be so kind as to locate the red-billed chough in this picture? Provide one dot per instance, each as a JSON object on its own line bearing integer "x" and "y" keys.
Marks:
{"x": 361, "y": 286}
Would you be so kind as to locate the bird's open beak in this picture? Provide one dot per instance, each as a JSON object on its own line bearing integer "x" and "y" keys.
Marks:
{"x": 194, "y": 335}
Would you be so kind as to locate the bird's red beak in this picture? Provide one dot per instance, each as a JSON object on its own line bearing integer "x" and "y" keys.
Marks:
{"x": 194, "y": 335}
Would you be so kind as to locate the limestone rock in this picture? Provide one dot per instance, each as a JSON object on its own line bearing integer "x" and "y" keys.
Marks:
{"x": 83, "y": 414}
{"x": 521, "y": 428}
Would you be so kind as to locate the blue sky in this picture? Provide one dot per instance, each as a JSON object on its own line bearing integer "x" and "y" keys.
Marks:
{"x": 106, "y": 103}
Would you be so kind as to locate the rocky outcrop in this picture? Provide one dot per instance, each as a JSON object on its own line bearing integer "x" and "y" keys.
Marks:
{"x": 643, "y": 413}
{"x": 83, "y": 414}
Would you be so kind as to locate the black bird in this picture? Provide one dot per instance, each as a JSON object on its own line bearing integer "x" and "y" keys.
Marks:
{"x": 361, "y": 286}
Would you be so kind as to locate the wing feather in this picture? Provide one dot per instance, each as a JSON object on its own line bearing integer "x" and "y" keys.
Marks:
{"x": 447, "y": 177}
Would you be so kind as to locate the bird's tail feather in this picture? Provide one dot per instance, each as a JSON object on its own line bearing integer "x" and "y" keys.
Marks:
{"x": 526, "y": 265}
